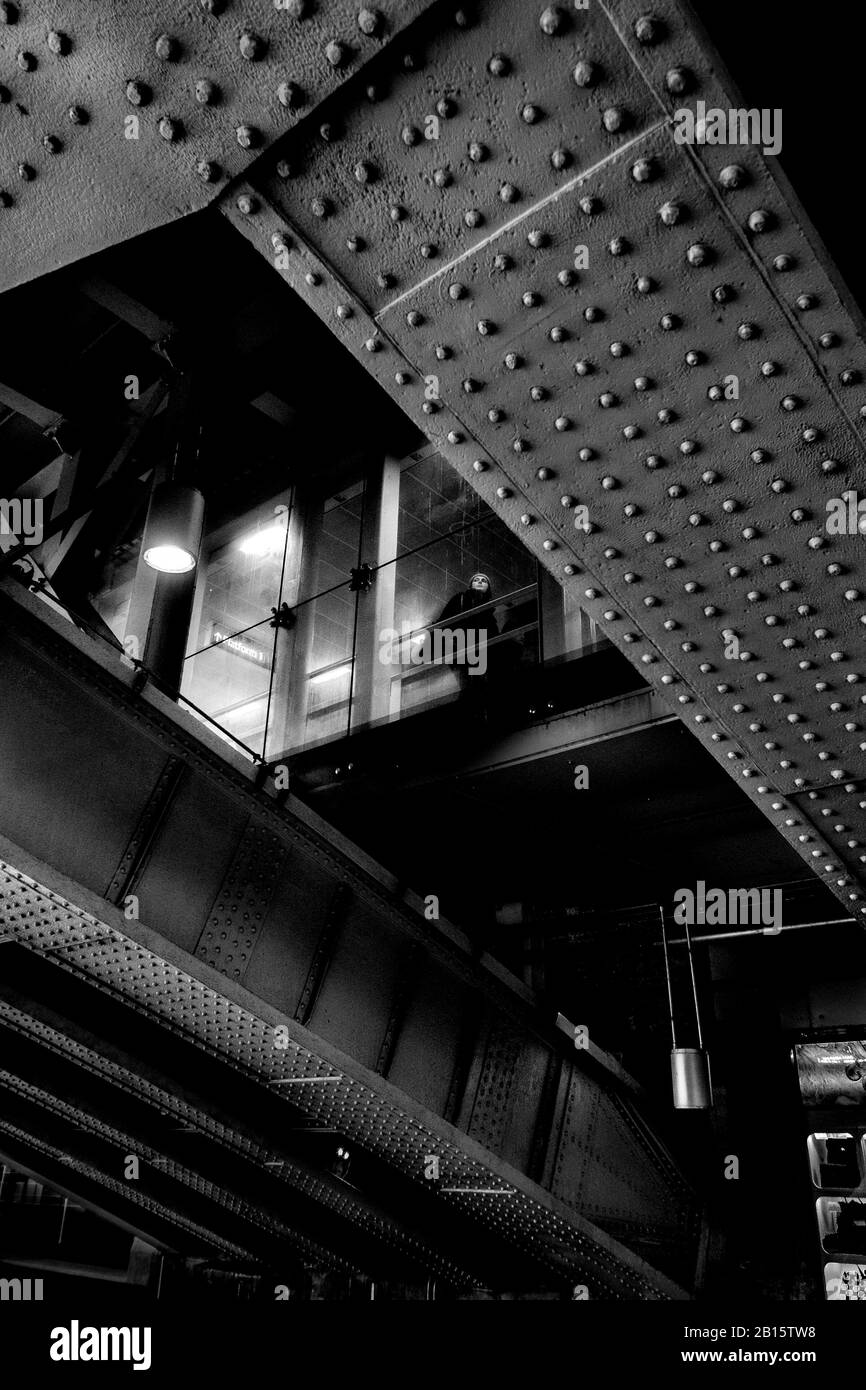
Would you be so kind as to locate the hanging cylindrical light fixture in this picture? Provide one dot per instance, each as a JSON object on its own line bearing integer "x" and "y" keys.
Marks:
{"x": 690, "y": 1066}
{"x": 173, "y": 531}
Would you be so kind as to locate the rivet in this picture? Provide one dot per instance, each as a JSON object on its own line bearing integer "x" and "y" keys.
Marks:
{"x": 850, "y": 377}
{"x": 498, "y": 65}
{"x": 496, "y": 415}
{"x": 446, "y": 107}
{"x": 166, "y": 48}
{"x": 644, "y": 284}
{"x": 615, "y": 119}
{"x": 806, "y": 301}
{"x": 791, "y": 402}
{"x": 666, "y": 416}
{"x": 479, "y": 466}
{"x": 670, "y": 213}
{"x": 58, "y": 42}
{"x": 252, "y": 46}
{"x": 558, "y": 334}
{"x": 208, "y": 170}
{"x": 26, "y": 61}
{"x": 760, "y": 220}
{"x": 473, "y": 217}
{"x": 607, "y": 399}
{"x": 501, "y": 262}
{"x": 644, "y": 170}
{"x": 508, "y": 193}
{"x": 171, "y": 129}
{"x": 530, "y": 113}
{"x": 733, "y": 176}
{"x": 653, "y": 461}
{"x": 669, "y": 322}
{"x": 77, "y": 115}
{"x": 586, "y": 74}
{"x": 783, "y": 263}
{"x": 26, "y": 172}
{"x": 248, "y": 137}
{"x": 336, "y": 53}
{"x": 443, "y": 178}
{"x": 552, "y": 21}
{"x": 414, "y": 319}
{"x": 503, "y": 493}
{"x": 370, "y": 22}
{"x": 289, "y": 95}
{"x": 618, "y": 246}
{"x": 355, "y": 243}
{"x": 206, "y": 92}
{"x": 648, "y": 29}
{"x": 402, "y": 378}
{"x": 485, "y": 327}
{"x": 678, "y": 81}
{"x": 699, "y": 254}
{"x": 829, "y": 340}
{"x": 52, "y": 144}
{"x": 566, "y": 278}
{"x": 593, "y": 314}
{"x": 319, "y": 207}
{"x": 469, "y": 385}
{"x": 8, "y": 13}
{"x": 694, "y": 359}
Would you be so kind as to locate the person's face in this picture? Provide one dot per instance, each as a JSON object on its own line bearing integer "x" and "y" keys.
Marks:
{"x": 479, "y": 584}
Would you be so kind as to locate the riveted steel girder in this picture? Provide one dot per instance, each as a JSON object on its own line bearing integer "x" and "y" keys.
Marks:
{"x": 116, "y": 118}
{"x": 635, "y": 348}
{"x": 403, "y": 1043}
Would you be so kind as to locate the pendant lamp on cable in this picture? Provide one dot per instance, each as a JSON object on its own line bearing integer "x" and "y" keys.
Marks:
{"x": 173, "y": 530}
{"x": 690, "y": 1066}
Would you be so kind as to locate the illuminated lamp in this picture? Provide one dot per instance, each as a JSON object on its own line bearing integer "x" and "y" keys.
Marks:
{"x": 173, "y": 531}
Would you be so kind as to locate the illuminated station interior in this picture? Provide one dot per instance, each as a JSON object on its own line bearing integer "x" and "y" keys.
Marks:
{"x": 432, "y": 796}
